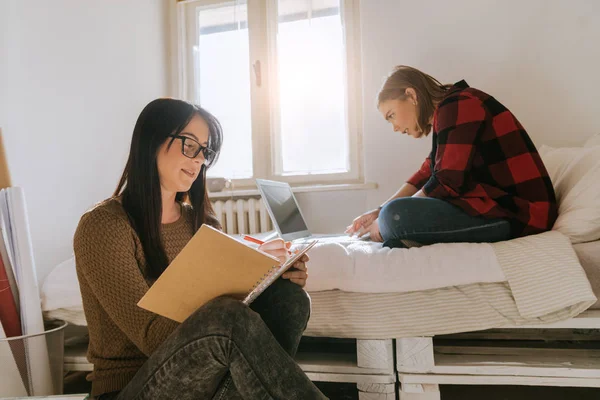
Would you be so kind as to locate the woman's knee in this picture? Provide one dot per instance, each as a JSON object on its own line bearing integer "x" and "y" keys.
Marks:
{"x": 295, "y": 298}
{"x": 225, "y": 305}
{"x": 395, "y": 214}
{"x": 302, "y": 304}
{"x": 219, "y": 315}
{"x": 293, "y": 291}
{"x": 399, "y": 209}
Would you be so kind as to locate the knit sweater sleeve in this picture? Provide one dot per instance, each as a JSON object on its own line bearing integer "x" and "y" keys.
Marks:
{"x": 104, "y": 247}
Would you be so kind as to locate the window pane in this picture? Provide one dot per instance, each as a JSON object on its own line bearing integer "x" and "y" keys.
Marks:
{"x": 311, "y": 62}
{"x": 223, "y": 83}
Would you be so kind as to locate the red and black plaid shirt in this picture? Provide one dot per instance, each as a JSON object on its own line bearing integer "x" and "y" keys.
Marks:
{"x": 484, "y": 162}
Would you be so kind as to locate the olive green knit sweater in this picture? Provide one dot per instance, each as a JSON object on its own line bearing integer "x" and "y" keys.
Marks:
{"x": 110, "y": 267}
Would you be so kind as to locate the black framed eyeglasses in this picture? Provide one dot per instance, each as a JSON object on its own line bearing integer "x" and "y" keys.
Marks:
{"x": 191, "y": 148}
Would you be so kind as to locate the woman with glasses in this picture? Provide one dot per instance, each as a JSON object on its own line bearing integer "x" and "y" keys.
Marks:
{"x": 225, "y": 350}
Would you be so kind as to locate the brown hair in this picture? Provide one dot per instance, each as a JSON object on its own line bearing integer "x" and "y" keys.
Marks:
{"x": 139, "y": 186}
{"x": 429, "y": 92}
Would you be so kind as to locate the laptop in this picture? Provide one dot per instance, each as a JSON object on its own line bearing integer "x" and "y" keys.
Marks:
{"x": 282, "y": 206}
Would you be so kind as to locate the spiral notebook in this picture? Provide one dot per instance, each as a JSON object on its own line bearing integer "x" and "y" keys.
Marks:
{"x": 213, "y": 264}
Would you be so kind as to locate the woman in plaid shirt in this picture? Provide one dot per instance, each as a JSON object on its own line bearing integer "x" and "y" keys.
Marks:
{"x": 483, "y": 181}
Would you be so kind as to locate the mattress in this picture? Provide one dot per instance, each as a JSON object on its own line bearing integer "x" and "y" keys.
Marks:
{"x": 543, "y": 282}
{"x": 424, "y": 313}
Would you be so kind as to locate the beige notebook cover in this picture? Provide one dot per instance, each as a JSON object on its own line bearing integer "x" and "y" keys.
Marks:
{"x": 212, "y": 264}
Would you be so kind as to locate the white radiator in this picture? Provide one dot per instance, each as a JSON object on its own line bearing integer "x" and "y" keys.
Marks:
{"x": 243, "y": 216}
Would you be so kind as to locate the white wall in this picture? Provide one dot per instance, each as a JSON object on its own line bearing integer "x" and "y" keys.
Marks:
{"x": 78, "y": 73}
{"x": 6, "y": 22}
{"x": 539, "y": 57}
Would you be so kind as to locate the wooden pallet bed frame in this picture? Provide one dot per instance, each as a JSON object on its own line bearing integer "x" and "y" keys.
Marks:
{"x": 421, "y": 367}
{"x": 413, "y": 368}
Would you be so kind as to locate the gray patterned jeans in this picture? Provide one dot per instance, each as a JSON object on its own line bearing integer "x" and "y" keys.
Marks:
{"x": 227, "y": 350}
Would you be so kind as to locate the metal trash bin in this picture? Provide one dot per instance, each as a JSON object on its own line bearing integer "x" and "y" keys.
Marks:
{"x": 32, "y": 365}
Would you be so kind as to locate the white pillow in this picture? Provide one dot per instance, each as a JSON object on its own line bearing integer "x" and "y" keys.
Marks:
{"x": 593, "y": 141}
{"x": 61, "y": 287}
{"x": 574, "y": 172}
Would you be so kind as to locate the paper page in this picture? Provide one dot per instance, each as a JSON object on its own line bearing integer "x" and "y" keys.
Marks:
{"x": 6, "y": 230}
{"x": 38, "y": 362}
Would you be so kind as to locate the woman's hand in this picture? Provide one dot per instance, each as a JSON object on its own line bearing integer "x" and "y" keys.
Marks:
{"x": 362, "y": 224}
{"x": 277, "y": 248}
{"x": 298, "y": 274}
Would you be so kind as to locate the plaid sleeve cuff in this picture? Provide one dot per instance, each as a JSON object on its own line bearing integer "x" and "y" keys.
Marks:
{"x": 417, "y": 180}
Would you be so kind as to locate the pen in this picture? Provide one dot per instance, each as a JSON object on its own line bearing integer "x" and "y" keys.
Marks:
{"x": 253, "y": 240}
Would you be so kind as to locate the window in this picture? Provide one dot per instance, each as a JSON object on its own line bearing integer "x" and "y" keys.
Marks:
{"x": 281, "y": 76}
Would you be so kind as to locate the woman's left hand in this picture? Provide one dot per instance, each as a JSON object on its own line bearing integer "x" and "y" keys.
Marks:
{"x": 298, "y": 274}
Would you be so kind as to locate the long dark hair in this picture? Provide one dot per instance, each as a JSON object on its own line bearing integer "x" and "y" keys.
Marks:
{"x": 429, "y": 92}
{"x": 139, "y": 186}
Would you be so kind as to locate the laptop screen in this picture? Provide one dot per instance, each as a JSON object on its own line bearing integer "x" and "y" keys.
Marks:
{"x": 284, "y": 208}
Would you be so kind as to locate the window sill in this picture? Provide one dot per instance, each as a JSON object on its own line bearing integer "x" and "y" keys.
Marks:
{"x": 227, "y": 194}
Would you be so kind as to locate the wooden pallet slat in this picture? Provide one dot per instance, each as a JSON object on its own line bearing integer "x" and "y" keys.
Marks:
{"x": 416, "y": 354}
{"x": 455, "y": 379}
{"x": 378, "y": 354}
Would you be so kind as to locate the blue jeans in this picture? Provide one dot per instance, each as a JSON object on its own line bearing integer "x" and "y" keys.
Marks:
{"x": 426, "y": 221}
{"x": 227, "y": 350}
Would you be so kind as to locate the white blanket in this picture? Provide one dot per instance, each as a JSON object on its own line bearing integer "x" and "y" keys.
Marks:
{"x": 367, "y": 267}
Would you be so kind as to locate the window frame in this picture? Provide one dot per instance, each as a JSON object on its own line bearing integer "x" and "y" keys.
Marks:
{"x": 266, "y": 137}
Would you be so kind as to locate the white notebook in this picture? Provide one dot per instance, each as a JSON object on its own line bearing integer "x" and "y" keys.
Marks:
{"x": 38, "y": 362}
